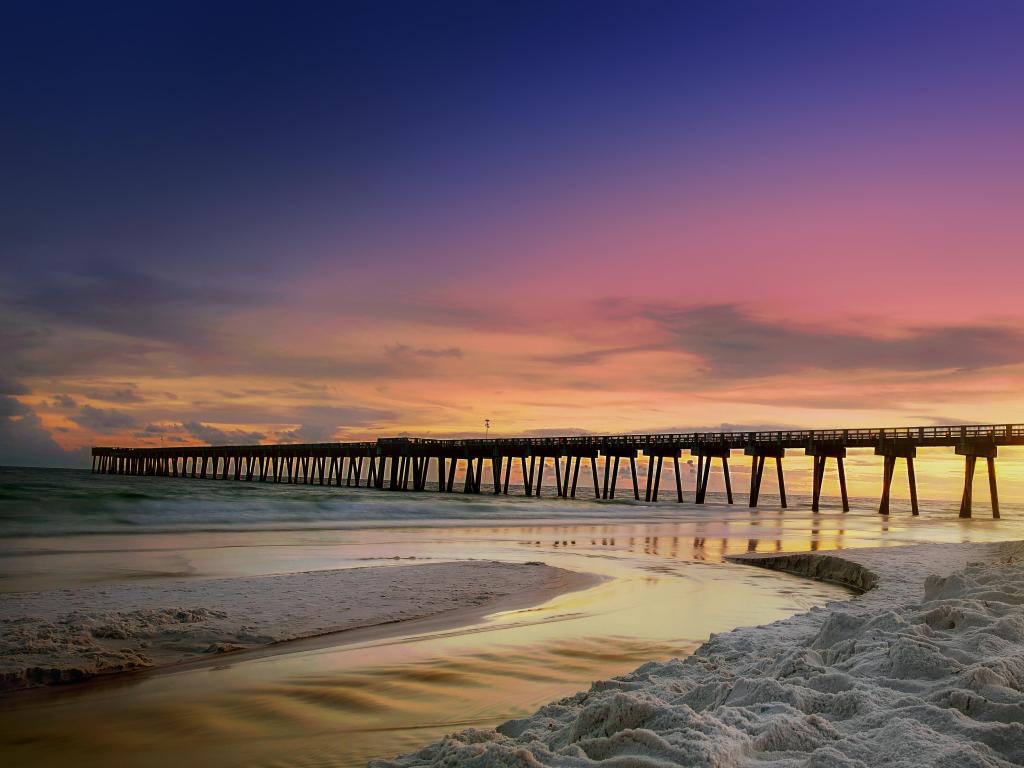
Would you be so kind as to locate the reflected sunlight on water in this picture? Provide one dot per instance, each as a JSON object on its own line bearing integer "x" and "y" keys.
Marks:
{"x": 318, "y": 704}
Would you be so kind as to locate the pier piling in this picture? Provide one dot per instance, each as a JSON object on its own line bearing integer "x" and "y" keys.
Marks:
{"x": 758, "y": 454}
{"x": 822, "y": 452}
{"x": 972, "y": 450}
{"x": 705, "y": 452}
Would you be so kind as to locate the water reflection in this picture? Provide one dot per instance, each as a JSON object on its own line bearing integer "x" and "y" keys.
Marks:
{"x": 667, "y": 589}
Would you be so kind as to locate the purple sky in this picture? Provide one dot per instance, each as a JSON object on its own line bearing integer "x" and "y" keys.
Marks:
{"x": 263, "y": 223}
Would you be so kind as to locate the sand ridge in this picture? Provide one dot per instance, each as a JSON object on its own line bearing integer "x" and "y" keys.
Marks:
{"x": 67, "y": 635}
{"x": 926, "y": 668}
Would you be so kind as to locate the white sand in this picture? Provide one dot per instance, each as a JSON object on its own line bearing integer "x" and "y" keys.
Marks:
{"x": 924, "y": 669}
{"x": 67, "y": 635}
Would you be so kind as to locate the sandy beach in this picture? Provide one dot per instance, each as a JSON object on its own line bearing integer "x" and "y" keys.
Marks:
{"x": 68, "y": 635}
{"x": 925, "y": 668}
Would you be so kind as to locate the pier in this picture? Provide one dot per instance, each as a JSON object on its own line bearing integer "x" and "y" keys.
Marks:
{"x": 409, "y": 463}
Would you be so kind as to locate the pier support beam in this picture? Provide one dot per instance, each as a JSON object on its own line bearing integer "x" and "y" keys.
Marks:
{"x": 653, "y": 468}
{"x": 972, "y": 451}
{"x": 393, "y": 478}
{"x": 822, "y": 452}
{"x": 758, "y": 454}
{"x": 611, "y": 471}
{"x": 527, "y": 474}
{"x": 453, "y": 466}
{"x": 563, "y": 474}
{"x": 424, "y": 472}
{"x": 496, "y": 462}
{"x": 404, "y": 469}
{"x": 705, "y": 453}
{"x": 891, "y": 451}
{"x": 592, "y": 458}
{"x": 655, "y": 464}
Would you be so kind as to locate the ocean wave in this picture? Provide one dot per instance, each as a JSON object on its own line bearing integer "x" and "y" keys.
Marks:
{"x": 46, "y": 503}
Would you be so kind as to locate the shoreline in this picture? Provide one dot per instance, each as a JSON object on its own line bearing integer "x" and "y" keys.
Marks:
{"x": 924, "y": 667}
{"x": 408, "y": 630}
{"x": 79, "y": 636}
{"x": 166, "y": 506}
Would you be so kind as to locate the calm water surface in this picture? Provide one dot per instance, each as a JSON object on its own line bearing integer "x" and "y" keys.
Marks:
{"x": 337, "y": 703}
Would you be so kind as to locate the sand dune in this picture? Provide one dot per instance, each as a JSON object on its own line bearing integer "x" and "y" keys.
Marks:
{"x": 926, "y": 668}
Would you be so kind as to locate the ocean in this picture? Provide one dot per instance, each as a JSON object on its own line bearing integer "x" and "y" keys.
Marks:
{"x": 666, "y": 588}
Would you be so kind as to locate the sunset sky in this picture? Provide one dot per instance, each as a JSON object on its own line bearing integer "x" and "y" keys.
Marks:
{"x": 283, "y": 222}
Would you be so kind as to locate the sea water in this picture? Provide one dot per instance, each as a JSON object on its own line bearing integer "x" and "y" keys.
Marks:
{"x": 335, "y": 702}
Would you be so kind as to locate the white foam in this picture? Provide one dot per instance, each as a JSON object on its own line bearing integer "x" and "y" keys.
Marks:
{"x": 66, "y": 635}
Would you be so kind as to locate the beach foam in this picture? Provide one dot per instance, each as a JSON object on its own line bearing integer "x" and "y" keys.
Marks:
{"x": 66, "y": 635}
{"x": 924, "y": 669}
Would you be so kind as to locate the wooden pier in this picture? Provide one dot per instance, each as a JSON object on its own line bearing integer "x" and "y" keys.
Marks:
{"x": 406, "y": 463}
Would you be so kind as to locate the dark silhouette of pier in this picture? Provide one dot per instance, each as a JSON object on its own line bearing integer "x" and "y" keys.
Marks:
{"x": 408, "y": 463}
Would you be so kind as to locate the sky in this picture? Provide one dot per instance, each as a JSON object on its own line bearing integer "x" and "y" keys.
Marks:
{"x": 239, "y": 222}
